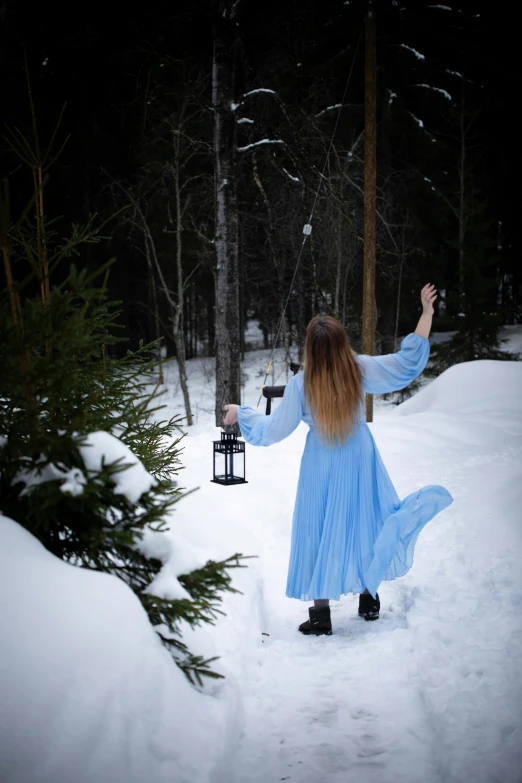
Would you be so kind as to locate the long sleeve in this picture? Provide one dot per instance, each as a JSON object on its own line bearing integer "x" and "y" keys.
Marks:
{"x": 261, "y": 430}
{"x": 383, "y": 374}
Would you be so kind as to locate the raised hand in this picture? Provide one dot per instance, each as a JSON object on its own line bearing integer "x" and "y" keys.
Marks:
{"x": 428, "y": 296}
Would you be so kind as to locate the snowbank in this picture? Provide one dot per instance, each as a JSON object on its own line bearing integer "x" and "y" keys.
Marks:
{"x": 88, "y": 693}
{"x": 480, "y": 388}
{"x": 474, "y": 403}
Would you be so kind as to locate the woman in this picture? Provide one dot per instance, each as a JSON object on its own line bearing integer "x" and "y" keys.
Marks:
{"x": 350, "y": 531}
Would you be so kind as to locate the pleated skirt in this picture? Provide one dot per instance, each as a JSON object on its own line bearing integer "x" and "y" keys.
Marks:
{"x": 350, "y": 530}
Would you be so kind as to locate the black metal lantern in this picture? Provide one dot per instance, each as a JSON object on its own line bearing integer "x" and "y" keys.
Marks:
{"x": 229, "y": 460}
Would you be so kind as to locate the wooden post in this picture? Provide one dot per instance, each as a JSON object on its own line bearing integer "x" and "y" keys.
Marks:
{"x": 370, "y": 176}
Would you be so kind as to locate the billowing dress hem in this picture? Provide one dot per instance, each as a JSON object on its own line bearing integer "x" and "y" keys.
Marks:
{"x": 394, "y": 548}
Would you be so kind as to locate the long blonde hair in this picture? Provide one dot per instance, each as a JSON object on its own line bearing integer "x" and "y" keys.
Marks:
{"x": 332, "y": 379}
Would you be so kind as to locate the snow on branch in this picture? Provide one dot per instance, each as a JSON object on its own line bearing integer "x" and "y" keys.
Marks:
{"x": 441, "y": 7}
{"x": 100, "y": 449}
{"x": 421, "y": 125}
{"x": 259, "y": 143}
{"x": 417, "y": 54}
{"x": 436, "y": 89}
{"x": 454, "y": 73}
{"x": 291, "y": 176}
{"x": 245, "y": 121}
{"x": 419, "y": 122}
{"x": 255, "y": 92}
{"x": 329, "y": 108}
{"x": 235, "y": 106}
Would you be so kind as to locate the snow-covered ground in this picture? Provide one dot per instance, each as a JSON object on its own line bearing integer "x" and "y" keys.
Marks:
{"x": 431, "y": 692}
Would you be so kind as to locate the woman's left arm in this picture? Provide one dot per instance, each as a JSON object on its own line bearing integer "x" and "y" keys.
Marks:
{"x": 260, "y": 430}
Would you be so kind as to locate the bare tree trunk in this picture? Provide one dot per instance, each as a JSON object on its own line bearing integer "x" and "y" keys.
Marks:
{"x": 228, "y": 365}
{"x": 177, "y": 325}
{"x": 242, "y": 322}
{"x": 194, "y": 321}
{"x": 211, "y": 328}
{"x": 155, "y": 304}
{"x": 155, "y": 309}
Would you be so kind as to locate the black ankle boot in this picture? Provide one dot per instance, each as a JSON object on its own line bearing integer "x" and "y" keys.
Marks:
{"x": 319, "y": 622}
{"x": 369, "y": 606}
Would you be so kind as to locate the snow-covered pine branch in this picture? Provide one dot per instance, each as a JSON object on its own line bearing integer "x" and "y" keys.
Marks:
{"x": 419, "y": 122}
{"x": 245, "y": 121}
{"x": 436, "y": 89}
{"x": 259, "y": 143}
{"x": 417, "y": 54}
{"x": 441, "y": 7}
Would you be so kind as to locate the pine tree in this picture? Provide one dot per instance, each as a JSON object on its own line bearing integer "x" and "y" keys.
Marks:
{"x": 63, "y": 391}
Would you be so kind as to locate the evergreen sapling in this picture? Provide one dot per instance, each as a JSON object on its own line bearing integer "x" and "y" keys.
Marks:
{"x": 74, "y": 418}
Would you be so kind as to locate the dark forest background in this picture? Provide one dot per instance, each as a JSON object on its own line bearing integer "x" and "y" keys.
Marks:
{"x": 137, "y": 83}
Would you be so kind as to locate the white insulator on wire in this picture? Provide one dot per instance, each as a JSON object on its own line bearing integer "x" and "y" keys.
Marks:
{"x": 307, "y": 229}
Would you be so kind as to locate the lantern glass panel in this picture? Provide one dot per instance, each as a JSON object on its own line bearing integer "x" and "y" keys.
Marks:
{"x": 219, "y": 465}
{"x": 229, "y": 460}
{"x": 236, "y": 465}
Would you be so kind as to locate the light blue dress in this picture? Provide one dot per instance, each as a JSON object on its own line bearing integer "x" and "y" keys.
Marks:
{"x": 350, "y": 530}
